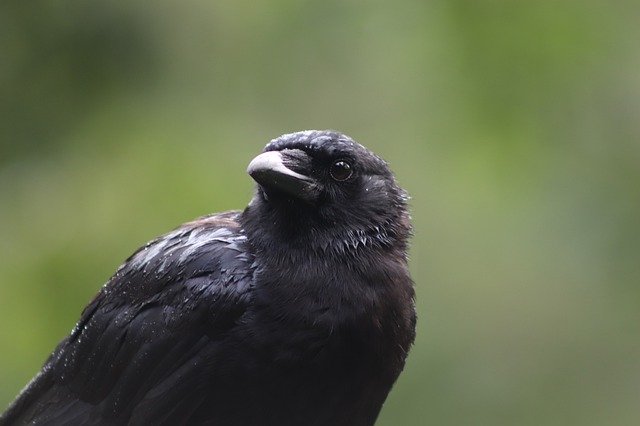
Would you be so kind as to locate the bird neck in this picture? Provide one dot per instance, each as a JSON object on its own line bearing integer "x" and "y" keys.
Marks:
{"x": 300, "y": 235}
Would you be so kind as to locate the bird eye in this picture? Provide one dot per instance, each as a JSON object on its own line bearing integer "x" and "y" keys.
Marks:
{"x": 341, "y": 170}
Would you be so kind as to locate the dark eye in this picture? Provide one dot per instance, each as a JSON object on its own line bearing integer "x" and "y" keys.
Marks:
{"x": 341, "y": 170}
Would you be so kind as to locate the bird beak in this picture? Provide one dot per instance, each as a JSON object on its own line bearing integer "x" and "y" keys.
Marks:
{"x": 272, "y": 170}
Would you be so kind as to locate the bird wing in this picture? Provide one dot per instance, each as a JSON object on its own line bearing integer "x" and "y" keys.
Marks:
{"x": 137, "y": 351}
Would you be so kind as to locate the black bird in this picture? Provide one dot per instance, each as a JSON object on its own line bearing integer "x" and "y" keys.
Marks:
{"x": 297, "y": 311}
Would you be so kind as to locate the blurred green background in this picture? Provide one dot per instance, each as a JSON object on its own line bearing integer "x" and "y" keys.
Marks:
{"x": 514, "y": 125}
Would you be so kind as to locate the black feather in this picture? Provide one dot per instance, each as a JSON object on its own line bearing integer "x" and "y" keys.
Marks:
{"x": 298, "y": 310}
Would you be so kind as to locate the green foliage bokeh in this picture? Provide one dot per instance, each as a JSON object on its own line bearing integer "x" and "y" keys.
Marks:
{"x": 513, "y": 125}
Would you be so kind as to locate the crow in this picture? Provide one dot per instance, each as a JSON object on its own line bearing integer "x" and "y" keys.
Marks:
{"x": 298, "y": 310}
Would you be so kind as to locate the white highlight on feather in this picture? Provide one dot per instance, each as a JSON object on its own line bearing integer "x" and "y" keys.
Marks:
{"x": 149, "y": 252}
{"x": 300, "y": 134}
{"x": 197, "y": 239}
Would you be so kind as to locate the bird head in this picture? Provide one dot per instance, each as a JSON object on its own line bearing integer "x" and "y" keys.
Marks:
{"x": 316, "y": 186}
